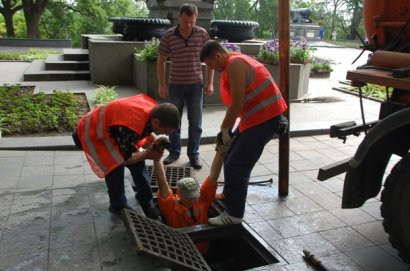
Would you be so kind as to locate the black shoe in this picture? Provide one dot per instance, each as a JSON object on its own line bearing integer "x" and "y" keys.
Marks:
{"x": 119, "y": 210}
{"x": 151, "y": 212}
{"x": 172, "y": 157}
{"x": 195, "y": 163}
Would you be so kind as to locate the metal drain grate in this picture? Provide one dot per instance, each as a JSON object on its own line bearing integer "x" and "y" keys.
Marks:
{"x": 172, "y": 173}
{"x": 154, "y": 238}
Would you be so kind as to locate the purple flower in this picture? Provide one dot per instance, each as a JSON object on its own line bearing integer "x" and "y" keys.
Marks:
{"x": 231, "y": 47}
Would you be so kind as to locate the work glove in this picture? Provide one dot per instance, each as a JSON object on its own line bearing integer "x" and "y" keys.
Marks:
{"x": 161, "y": 142}
{"x": 227, "y": 136}
{"x": 220, "y": 145}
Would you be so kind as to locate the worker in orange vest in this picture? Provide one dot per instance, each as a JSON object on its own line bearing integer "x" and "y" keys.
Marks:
{"x": 191, "y": 203}
{"x": 250, "y": 93}
{"x": 111, "y": 136}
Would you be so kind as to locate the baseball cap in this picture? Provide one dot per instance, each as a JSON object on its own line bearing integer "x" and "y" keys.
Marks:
{"x": 188, "y": 187}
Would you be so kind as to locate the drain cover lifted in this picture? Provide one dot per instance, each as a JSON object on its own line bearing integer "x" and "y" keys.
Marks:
{"x": 156, "y": 239}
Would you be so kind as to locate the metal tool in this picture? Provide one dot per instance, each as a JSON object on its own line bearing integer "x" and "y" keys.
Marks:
{"x": 270, "y": 181}
{"x": 313, "y": 261}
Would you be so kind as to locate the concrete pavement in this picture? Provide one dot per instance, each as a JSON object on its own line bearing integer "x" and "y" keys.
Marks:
{"x": 53, "y": 209}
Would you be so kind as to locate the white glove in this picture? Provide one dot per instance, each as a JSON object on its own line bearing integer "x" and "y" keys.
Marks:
{"x": 227, "y": 136}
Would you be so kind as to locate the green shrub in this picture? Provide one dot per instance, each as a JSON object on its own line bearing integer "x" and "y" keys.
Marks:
{"x": 104, "y": 95}
{"x": 28, "y": 55}
{"x": 23, "y": 112}
{"x": 150, "y": 51}
{"x": 373, "y": 91}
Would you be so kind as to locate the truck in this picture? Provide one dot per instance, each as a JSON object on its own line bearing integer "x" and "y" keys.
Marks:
{"x": 387, "y": 28}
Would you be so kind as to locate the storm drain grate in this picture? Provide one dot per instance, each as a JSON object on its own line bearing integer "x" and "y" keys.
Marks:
{"x": 172, "y": 173}
{"x": 154, "y": 238}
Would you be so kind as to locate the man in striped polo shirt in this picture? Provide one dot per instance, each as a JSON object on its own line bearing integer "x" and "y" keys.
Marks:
{"x": 183, "y": 43}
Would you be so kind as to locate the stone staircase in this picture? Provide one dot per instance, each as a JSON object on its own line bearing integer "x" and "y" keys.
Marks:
{"x": 73, "y": 64}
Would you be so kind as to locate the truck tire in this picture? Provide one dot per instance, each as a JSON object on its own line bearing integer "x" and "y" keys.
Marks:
{"x": 395, "y": 208}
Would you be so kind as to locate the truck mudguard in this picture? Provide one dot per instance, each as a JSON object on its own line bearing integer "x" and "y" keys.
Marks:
{"x": 366, "y": 169}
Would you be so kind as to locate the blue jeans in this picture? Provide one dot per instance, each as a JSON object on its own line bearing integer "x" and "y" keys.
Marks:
{"x": 115, "y": 184}
{"x": 193, "y": 95}
{"x": 241, "y": 158}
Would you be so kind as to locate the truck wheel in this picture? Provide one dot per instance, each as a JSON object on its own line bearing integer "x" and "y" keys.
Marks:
{"x": 395, "y": 208}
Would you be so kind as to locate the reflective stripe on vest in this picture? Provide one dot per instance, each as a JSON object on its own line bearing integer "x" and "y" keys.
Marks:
{"x": 263, "y": 104}
{"x": 194, "y": 211}
{"x": 100, "y": 135}
{"x": 187, "y": 212}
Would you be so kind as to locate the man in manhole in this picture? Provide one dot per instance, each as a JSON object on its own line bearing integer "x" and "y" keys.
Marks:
{"x": 250, "y": 93}
{"x": 191, "y": 203}
{"x": 110, "y": 135}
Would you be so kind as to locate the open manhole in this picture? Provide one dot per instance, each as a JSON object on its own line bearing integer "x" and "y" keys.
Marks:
{"x": 235, "y": 247}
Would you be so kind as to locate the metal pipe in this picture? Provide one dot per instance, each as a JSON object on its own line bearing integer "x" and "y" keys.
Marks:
{"x": 284, "y": 44}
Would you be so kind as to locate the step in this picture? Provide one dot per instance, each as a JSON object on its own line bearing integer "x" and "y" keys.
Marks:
{"x": 75, "y": 54}
{"x": 57, "y": 62}
{"x": 36, "y": 72}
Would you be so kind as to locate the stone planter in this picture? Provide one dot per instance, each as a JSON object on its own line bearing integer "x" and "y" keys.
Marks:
{"x": 145, "y": 80}
{"x": 298, "y": 78}
{"x": 320, "y": 74}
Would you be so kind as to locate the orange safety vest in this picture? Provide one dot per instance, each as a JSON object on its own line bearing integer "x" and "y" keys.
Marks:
{"x": 102, "y": 151}
{"x": 177, "y": 215}
{"x": 263, "y": 99}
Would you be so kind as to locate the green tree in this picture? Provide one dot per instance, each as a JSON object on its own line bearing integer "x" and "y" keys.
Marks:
{"x": 70, "y": 19}
{"x": 354, "y": 25}
{"x": 224, "y": 10}
{"x": 267, "y": 18}
{"x": 33, "y": 9}
{"x": 8, "y": 8}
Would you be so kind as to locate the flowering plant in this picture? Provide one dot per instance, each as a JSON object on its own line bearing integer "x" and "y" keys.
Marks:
{"x": 231, "y": 47}
{"x": 269, "y": 52}
{"x": 150, "y": 50}
{"x": 299, "y": 51}
{"x": 322, "y": 64}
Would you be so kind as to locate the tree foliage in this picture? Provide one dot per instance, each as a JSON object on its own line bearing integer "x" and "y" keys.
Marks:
{"x": 33, "y": 9}
{"x": 70, "y": 18}
{"x": 8, "y": 8}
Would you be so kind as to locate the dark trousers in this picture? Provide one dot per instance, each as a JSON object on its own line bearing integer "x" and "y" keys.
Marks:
{"x": 115, "y": 185}
{"x": 241, "y": 158}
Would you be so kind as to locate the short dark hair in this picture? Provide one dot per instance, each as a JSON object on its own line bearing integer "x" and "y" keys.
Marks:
{"x": 210, "y": 48}
{"x": 188, "y": 9}
{"x": 167, "y": 114}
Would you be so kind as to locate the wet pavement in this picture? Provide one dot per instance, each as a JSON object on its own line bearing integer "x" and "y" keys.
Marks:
{"x": 54, "y": 210}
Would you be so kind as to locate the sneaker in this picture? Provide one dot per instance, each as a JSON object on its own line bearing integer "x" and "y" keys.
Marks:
{"x": 195, "y": 163}
{"x": 171, "y": 158}
{"x": 224, "y": 219}
{"x": 119, "y": 210}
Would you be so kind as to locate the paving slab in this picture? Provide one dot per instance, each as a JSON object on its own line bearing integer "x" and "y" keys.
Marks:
{"x": 53, "y": 209}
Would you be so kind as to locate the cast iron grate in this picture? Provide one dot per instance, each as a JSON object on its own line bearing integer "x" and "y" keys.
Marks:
{"x": 154, "y": 238}
{"x": 172, "y": 173}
